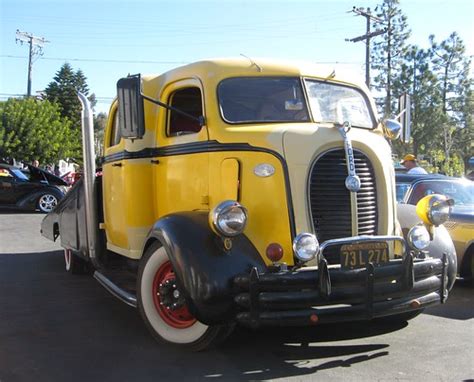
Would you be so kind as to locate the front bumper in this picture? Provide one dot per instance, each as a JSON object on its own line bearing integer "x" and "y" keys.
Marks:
{"x": 308, "y": 296}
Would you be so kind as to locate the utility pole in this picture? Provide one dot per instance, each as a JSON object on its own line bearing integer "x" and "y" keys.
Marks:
{"x": 35, "y": 49}
{"x": 368, "y": 35}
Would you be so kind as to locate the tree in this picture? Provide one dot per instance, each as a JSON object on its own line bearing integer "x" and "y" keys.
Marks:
{"x": 63, "y": 91}
{"x": 100, "y": 122}
{"x": 451, "y": 67}
{"x": 388, "y": 54}
{"x": 32, "y": 129}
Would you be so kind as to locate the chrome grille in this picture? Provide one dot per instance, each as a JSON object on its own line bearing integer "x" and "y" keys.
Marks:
{"x": 330, "y": 201}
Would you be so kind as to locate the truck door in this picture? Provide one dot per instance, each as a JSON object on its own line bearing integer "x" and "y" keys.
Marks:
{"x": 113, "y": 186}
{"x": 182, "y": 176}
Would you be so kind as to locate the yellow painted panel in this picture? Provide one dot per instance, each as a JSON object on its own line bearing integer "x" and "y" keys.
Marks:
{"x": 181, "y": 183}
{"x": 114, "y": 201}
{"x": 264, "y": 198}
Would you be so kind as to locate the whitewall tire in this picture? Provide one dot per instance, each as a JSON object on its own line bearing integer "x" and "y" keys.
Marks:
{"x": 164, "y": 309}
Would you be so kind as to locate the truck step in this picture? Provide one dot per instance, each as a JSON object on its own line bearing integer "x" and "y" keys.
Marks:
{"x": 125, "y": 295}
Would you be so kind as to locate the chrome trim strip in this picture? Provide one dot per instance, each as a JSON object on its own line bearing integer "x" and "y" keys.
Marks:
{"x": 115, "y": 290}
{"x": 352, "y": 180}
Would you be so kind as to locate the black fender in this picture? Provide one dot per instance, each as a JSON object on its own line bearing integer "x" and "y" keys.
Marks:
{"x": 441, "y": 243}
{"x": 204, "y": 269}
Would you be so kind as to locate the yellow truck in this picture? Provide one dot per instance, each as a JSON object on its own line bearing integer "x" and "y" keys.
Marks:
{"x": 235, "y": 191}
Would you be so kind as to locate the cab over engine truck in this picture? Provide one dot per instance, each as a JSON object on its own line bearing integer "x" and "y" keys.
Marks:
{"x": 257, "y": 193}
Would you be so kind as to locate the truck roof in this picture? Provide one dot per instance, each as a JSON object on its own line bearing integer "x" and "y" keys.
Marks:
{"x": 220, "y": 68}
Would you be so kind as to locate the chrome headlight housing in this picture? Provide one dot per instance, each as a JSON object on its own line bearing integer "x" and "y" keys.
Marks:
{"x": 434, "y": 209}
{"x": 228, "y": 218}
{"x": 306, "y": 246}
{"x": 418, "y": 237}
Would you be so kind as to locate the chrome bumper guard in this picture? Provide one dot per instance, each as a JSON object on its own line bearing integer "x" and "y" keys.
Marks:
{"x": 308, "y": 296}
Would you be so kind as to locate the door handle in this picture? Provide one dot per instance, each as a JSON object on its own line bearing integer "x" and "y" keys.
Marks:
{"x": 117, "y": 165}
{"x": 155, "y": 161}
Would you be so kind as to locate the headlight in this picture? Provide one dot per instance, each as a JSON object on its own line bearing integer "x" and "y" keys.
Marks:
{"x": 305, "y": 246}
{"x": 228, "y": 218}
{"x": 434, "y": 209}
{"x": 418, "y": 237}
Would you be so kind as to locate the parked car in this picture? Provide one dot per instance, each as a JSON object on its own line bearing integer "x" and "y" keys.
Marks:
{"x": 411, "y": 188}
{"x": 29, "y": 189}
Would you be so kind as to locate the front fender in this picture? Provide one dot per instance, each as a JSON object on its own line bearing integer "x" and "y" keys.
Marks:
{"x": 441, "y": 243}
{"x": 204, "y": 269}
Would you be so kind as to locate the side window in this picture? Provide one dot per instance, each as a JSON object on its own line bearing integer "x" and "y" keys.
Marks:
{"x": 115, "y": 133}
{"x": 188, "y": 100}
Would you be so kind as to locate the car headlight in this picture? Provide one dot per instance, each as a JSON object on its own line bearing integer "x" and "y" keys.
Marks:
{"x": 434, "y": 209}
{"x": 418, "y": 237}
{"x": 306, "y": 246}
{"x": 228, "y": 218}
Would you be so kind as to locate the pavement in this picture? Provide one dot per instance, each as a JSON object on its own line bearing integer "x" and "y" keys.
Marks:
{"x": 58, "y": 327}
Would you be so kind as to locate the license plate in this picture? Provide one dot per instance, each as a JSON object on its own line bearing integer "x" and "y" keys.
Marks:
{"x": 359, "y": 255}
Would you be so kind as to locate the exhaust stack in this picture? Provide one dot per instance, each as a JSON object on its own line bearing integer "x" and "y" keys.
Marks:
{"x": 90, "y": 200}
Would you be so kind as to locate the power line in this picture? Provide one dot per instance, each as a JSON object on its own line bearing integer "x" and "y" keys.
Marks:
{"x": 103, "y": 60}
{"x": 145, "y": 61}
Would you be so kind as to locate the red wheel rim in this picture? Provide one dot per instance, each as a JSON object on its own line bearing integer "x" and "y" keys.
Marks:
{"x": 178, "y": 318}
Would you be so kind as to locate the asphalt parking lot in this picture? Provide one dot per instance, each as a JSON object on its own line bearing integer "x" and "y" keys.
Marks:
{"x": 59, "y": 327}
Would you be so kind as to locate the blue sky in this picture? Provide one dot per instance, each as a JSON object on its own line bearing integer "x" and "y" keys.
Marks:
{"x": 109, "y": 39}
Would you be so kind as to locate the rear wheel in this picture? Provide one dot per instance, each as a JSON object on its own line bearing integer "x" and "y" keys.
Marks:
{"x": 46, "y": 202}
{"x": 164, "y": 309}
{"x": 467, "y": 265}
{"x": 74, "y": 264}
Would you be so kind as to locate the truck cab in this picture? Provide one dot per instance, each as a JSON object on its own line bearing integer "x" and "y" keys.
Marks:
{"x": 259, "y": 193}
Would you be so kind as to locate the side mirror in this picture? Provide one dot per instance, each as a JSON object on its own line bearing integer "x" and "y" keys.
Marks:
{"x": 404, "y": 115}
{"x": 392, "y": 128}
{"x": 130, "y": 108}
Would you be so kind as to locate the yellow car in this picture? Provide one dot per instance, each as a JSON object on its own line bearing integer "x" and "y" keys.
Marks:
{"x": 411, "y": 188}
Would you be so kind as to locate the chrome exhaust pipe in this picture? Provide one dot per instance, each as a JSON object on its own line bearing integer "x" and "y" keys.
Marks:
{"x": 90, "y": 200}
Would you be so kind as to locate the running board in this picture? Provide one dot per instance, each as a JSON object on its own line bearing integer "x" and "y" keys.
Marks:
{"x": 115, "y": 290}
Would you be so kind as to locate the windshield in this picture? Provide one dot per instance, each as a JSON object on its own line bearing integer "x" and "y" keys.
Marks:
{"x": 461, "y": 192}
{"x": 262, "y": 99}
{"x": 336, "y": 104}
{"x": 402, "y": 189}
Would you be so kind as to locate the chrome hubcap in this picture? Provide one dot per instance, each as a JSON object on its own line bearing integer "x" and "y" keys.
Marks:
{"x": 47, "y": 202}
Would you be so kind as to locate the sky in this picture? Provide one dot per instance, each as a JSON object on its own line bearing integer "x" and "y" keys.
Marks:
{"x": 109, "y": 39}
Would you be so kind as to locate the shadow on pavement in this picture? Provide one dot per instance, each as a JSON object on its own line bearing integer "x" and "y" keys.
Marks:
{"x": 55, "y": 326}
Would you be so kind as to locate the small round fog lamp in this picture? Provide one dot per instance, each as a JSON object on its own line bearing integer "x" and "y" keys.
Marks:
{"x": 306, "y": 246}
{"x": 418, "y": 237}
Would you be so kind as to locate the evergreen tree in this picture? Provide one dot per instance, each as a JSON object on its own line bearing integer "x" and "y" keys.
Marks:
{"x": 63, "y": 91}
{"x": 451, "y": 67}
{"x": 387, "y": 54}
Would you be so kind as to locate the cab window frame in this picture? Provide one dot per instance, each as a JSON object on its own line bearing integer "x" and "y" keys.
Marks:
{"x": 115, "y": 136}
{"x": 193, "y": 126}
